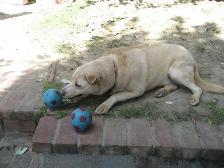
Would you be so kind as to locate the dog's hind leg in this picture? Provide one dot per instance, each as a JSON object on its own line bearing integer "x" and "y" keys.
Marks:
{"x": 166, "y": 89}
{"x": 183, "y": 73}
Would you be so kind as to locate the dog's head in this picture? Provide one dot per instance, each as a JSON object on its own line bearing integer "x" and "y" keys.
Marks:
{"x": 85, "y": 81}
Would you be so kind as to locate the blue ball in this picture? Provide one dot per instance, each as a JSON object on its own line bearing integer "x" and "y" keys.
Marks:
{"x": 52, "y": 98}
{"x": 81, "y": 119}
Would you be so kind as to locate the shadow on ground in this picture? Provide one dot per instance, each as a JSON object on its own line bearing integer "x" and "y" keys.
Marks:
{"x": 7, "y": 16}
{"x": 207, "y": 50}
{"x": 98, "y": 45}
{"x": 202, "y": 41}
{"x": 21, "y": 88}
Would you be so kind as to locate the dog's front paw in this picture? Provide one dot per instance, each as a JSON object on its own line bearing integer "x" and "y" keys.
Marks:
{"x": 102, "y": 109}
{"x": 194, "y": 100}
{"x": 160, "y": 93}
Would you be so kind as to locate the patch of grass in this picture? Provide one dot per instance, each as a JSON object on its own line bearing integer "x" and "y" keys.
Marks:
{"x": 112, "y": 22}
{"x": 98, "y": 38}
{"x": 217, "y": 30}
{"x": 95, "y": 41}
{"x": 217, "y": 116}
{"x": 178, "y": 19}
{"x": 177, "y": 116}
{"x": 193, "y": 113}
{"x": 174, "y": 116}
{"x": 90, "y": 104}
{"x": 116, "y": 43}
{"x": 187, "y": 1}
{"x": 41, "y": 112}
{"x": 88, "y": 3}
{"x": 60, "y": 114}
{"x": 66, "y": 48}
{"x": 201, "y": 47}
{"x": 145, "y": 111}
{"x": 131, "y": 112}
{"x": 63, "y": 18}
{"x": 212, "y": 28}
{"x": 53, "y": 85}
{"x": 91, "y": 2}
{"x": 31, "y": 2}
{"x": 102, "y": 42}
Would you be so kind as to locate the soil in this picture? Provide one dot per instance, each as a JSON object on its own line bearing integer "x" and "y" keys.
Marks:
{"x": 102, "y": 25}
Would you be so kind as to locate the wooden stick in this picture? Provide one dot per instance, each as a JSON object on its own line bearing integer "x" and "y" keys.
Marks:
{"x": 52, "y": 72}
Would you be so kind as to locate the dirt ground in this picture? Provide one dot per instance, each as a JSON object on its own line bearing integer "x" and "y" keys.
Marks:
{"x": 87, "y": 29}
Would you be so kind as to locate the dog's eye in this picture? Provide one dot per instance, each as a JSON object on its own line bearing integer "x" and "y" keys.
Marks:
{"x": 77, "y": 85}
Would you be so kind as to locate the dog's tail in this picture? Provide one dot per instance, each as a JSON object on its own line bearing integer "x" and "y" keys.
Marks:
{"x": 206, "y": 86}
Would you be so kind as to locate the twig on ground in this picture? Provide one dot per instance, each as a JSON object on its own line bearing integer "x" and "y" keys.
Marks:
{"x": 52, "y": 72}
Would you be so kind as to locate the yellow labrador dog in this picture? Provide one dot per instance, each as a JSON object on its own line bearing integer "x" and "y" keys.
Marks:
{"x": 129, "y": 72}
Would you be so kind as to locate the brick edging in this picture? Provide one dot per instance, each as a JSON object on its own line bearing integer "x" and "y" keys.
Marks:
{"x": 185, "y": 139}
{"x": 22, "y": 101}
{"x": 17, "y": 126}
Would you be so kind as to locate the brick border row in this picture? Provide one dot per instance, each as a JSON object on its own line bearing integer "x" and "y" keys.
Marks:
{"x": 19, "y": 104}
{"x": 21, "y": 101}
{"x": 185, "y": 140}
{"x": 20, "y": 126}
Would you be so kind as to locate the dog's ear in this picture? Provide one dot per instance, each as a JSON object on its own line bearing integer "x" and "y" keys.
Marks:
{"x": 93, "y": 78}
{"x": 79, "y": 62}
{"x": 75, "y": 64}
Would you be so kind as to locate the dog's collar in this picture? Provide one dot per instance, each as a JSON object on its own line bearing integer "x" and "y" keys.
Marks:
{"x": 115, "y": 70}
{"x": 115, "y": 75}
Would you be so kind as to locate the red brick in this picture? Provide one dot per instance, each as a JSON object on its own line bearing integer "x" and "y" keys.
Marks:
{"x": 27, "y": 83}
{"x": 1, "y": 126}
{"x": 19, "y": 125}
{"x": 91, "y": 140}
{"x": 31, "y": 102}
{"x": 211, "y": 140}
{"x": 3, "y": 99}
{"x": 187, "y": 140}
{"x": 163, "y": 133}
{"x": 221, "y": 130}
{"x": 140, "y": 137}
{"x": 3, "y": 95}
{"x": 164, "y": 138}
{"x": 21, "y": 100}
{"x": 44, "y": 134}
{"x": 115, "y": 135}
{"x": 2, "y": 130}
{"x": 13, "y": 101}
{"x": 66, "y": 137}
{"x": 25, "y": 108}
{"x": 29, "y": 86}
{"x": 7, "y": 84}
